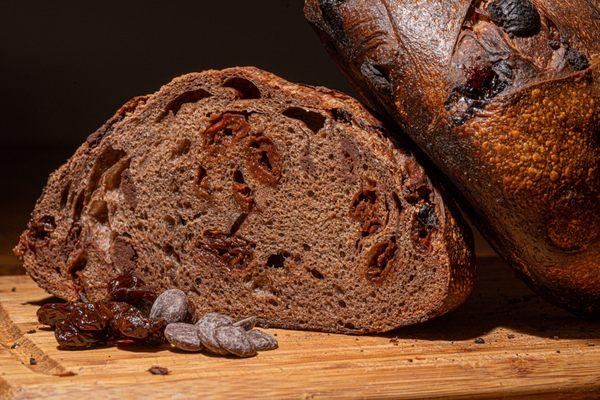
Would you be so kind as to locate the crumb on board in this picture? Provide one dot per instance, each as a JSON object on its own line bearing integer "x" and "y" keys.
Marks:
{"x": 157, "y": 370}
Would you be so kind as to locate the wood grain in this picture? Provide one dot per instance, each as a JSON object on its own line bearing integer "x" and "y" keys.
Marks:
{"x": 531, "y": 350}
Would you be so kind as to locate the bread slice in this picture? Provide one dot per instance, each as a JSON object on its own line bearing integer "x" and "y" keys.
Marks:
{"x": 504, "y": 97}
{"x": 255, "y": 196}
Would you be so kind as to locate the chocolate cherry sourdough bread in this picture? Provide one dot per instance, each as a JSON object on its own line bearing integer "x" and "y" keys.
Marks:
{"x": 255, "y": 196}
{"x": 503, "y": 95}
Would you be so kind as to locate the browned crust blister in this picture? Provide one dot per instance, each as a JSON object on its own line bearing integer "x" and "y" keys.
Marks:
{"x": 254, "y": 196}
{"x": 503, "y": 95}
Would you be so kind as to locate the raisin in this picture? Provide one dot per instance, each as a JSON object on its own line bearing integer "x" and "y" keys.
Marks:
{"x": 88, "y": 317}
{"x": 51, "y": 313}
{"x": 227, "y": 130}
{"x": 263, "y": 160}
{"x": 130, "y": 288}
{"x": 134, "y": 325}
{"x": 171, "y": 305}
{"x": 379, "y": 259}
{"x": 517, "y": 17}
{"x": 69, "y": 337}
{"x": 233, "y": 251}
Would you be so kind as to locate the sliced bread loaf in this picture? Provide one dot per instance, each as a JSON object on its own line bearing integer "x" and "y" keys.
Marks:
{"x": 255, "y": 196}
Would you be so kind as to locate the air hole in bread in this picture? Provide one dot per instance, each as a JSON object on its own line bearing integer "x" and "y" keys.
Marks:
{"x": 341, "y": 115}
{"x": 342, "y": 303}
{"x": 246, "y": 89}
{"x": 198, "y": 283}
{"x": 170, "y": 221}
{"x": 201, "y": 187}
{"x": 64, "y": 195}
{"x": 98, "y": 210}
{"x": 397, "y": 201}
{"x": 277, "y": 260}
{"x": 169, "y": 250}
{"x": 42, "y": 228}
{"x": 78, "y": 206}
{"x": 76, "y": 268}
{"x": 424, "y": 223}
{"x": 306, "y": 247}
{"x": 379, "y": 259}
{"x": 175, "y": 105}
{"x": 316, "y": 273}
{"x": 420, "y": 194}
{"x": 263, "y": 160}
{"x": 238, "y": 176}
{"x": 112, "y": 177}
{"x": 104, "y": 162}
{"x": 237, "y": 224}
{"x": 349, "y": 325}
{"x": 182, "y": 147}
{"x": 314, "y": 120}
{"x": 242, "y": 193}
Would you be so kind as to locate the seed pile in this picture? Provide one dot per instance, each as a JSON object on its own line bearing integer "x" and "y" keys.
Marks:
{"x": 135, "y": 315}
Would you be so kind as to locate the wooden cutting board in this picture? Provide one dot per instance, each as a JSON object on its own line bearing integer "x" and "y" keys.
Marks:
{"x": 531, "y": 350}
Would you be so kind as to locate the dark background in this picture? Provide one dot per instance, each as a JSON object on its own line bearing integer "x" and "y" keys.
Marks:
{"x": 66, "y": 66}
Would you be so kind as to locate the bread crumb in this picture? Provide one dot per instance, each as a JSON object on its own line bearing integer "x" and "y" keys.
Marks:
{"x": 156, "y": 370}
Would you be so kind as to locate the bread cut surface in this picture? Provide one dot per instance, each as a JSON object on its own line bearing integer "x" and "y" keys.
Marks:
{"x": 255, "y": 196}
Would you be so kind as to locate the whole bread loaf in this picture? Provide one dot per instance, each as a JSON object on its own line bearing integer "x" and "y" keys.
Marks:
{"x": 503, "y": 96}
{"x": 255, "y": 196}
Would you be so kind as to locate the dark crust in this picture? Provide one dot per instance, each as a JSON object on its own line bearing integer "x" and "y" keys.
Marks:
{"x": 532, "y": 184}
{"x": 54, "y": 265}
